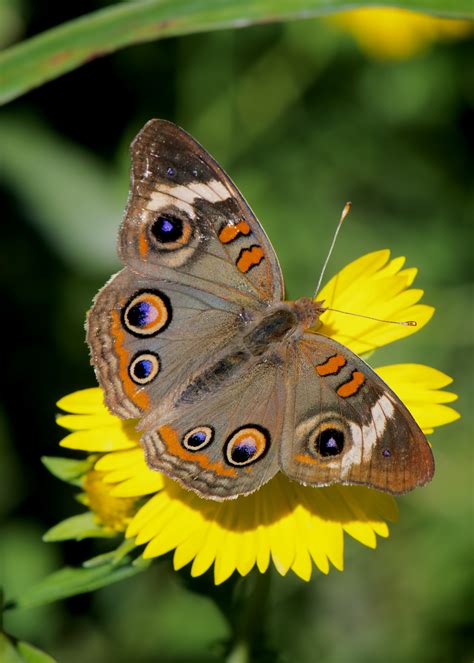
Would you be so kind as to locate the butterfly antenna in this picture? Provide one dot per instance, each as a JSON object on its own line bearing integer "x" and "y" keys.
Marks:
{"x": 345, "y": 212}
{"x": 406, "y": 323}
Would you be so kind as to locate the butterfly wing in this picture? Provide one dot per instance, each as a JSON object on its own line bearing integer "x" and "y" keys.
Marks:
{"x": 149, "y": 338}
{"x": 226, "y": 444}
{"x": 343, "y": 424}
{"x": 187, "y": 221}
{"x": 188, "y": 240}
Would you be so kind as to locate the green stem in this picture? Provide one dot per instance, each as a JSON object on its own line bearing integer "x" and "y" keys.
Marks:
{"x": 249, "y": 619}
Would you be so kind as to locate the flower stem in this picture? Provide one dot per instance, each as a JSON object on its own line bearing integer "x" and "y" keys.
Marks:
{"x": 248, "y": 619}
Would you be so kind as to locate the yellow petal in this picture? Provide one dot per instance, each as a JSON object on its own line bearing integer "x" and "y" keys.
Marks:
{"x": 374, "y": 286}
{"x": 107, "y": 438}
{"x": 120, "y": 459}
{"x": 85, "y": 401}
{"x": 86, "y": 421}
{"x": 142, "y": 484}
{"x": 419, "y": 388}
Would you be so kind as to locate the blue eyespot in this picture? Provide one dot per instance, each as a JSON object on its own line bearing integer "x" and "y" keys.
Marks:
{"x": 142, "y": 314}
{"x": 198, "y": 438}
{"x": 246, "y": 445}
{"x": 167, "y": 229}
{"x": 243, "y": 452}
{"x": 330, "y": 442}
{"x": 171, "y": 172}
{"x": 144, "y": 367}
{"x": 386, "y": 453}
{"x": 147, "y": 313}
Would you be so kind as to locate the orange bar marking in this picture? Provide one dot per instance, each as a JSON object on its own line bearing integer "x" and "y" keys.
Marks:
{"x": 248, "y": 258}
{"x": 171, "y": 440}
{"x": 136, "y": 394}
{"x": 331, "y": 366}
{"x": 307, "y": 460}
{"x": 231, "y": 232}
{"x": 352, "y": 387}
{"x": 143, "y": 245}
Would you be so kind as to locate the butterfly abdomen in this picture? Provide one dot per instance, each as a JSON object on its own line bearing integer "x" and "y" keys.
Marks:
{"x": 213, "y": 378}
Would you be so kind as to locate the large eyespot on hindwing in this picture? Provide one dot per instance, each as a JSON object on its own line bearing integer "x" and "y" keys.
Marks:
{"x": 147, "y": 312}
{"x": 198, "y": 438}
{"x": 144, "y": 367}
{"x": 246, "y": 445}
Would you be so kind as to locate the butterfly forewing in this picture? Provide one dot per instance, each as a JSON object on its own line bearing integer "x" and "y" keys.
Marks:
{"x": 344, "y": 424}
{"x": 188, "y": 219}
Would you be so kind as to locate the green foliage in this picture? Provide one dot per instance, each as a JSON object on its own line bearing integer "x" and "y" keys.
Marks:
{"x": 21, "y": 652}
{"x": 78, "y": 527}
{"x": 67, "y": 469}
{"x": 61, "y": 49}
{"x": 73, "y": 581}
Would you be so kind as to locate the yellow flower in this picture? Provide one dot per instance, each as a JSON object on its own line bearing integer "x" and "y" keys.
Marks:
{"x": 397, "y": 34}
{"x": 113, "y": 513}
{"x": 284, "y": 523}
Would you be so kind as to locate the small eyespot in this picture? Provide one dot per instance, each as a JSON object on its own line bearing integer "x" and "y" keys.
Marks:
{"x": 330, "y": 442}
{"x": 386, "y": 453}
{"x": 198, "y": 438}
{"x": 246, "y": 445}
{"x": 144, "y": 367}
{"x": 170, "y": 232}
{"x": 147, "y": 313}
{"x": 171, "y": 172}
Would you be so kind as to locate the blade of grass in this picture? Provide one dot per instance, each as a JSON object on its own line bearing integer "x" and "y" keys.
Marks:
{"x": 61, "y": 49}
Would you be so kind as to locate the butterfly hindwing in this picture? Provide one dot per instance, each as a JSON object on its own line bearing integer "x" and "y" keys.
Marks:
{"x": 223, "y": 442}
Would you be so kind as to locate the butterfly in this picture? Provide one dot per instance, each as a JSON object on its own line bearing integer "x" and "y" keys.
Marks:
{"x": 194, "y": 339}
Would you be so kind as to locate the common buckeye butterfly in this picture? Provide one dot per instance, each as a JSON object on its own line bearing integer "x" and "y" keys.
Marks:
{"x": 194, "y": 339}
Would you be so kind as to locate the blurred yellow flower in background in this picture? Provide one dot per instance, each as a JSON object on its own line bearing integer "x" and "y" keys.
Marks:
{"x": 397, "y": 34}
{"x": 284, "y": 523}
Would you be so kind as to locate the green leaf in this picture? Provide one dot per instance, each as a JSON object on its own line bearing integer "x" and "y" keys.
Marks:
{"x": 114, "y": 556}
{"x": 72, "y": 581}
{"x": 12, "y": 651}
{"x": 61, "y": 49}
{"x": 8, "y": 653}
{"x": 32, "y": 654}
{"x": 78, "y": 527}
{"x": 67, "y": 469}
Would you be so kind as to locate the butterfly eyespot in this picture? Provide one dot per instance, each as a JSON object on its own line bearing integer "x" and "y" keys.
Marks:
{"x": 246, "y": 445}
{"x": 386, "y": 453}
{"x": 144, "y": 368}
{"x": 170, "y": 232}
{"x": 147, "y": 313}
{"x": 171, "y": 172}
{"x": 198, "y": 438}
{"x": 329, "y": 442}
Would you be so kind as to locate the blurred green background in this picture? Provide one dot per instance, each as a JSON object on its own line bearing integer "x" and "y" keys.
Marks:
{"x": 303, "y": 121}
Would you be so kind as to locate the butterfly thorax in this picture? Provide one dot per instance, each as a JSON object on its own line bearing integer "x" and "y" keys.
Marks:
{"x": 281, "y": 322}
